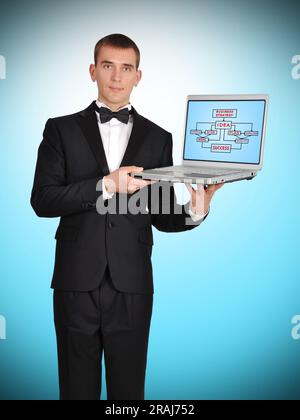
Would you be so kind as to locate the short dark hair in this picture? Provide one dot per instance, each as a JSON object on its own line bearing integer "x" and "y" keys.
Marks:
{"x": 118, "y": 41}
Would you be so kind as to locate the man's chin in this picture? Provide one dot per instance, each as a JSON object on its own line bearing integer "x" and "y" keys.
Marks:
{"x": 117, "y": 101}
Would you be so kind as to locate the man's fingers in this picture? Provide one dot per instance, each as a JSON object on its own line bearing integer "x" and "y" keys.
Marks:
{"x": 213, "y": 188}
{"x": 217, "y": 187}
{"x": 139, "y": 183}
{"x": 150, "y": 182}
{"x": 128, "y": 169}
{"x": 200, "y": 187}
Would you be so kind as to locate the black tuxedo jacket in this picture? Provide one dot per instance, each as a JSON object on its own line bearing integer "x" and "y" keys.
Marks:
{"x": 71, "y": 161}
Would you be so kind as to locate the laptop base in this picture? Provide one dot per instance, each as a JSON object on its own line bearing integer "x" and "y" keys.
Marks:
{"x": 204, "y": 178}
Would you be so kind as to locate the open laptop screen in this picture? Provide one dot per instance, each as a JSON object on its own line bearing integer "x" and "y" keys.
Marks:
{"x": 224, "y": 130}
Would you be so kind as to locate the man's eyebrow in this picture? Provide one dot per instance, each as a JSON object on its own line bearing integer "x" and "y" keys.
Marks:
{"x": 110, "y": 62}
{"x": 106, "y": 62}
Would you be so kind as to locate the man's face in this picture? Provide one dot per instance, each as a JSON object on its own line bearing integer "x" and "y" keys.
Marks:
{"x": 116, "y": 75}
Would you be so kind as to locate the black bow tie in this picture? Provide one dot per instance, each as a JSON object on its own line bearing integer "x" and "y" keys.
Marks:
{"x": 106, "y": 114}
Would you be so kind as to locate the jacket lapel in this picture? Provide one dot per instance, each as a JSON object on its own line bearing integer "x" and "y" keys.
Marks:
{"x": 89, "y": 126}
{"x": 136, "y": 140}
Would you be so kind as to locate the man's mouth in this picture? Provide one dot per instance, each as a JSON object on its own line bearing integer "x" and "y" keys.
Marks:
{"x": 115, "y": 89}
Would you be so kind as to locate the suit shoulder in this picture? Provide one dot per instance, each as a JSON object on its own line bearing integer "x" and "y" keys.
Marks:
{"x": 156, "y": 127}
{"x": 64, "y": 118}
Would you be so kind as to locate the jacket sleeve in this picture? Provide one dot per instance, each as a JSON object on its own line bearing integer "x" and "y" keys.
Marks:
{"x": 168, "y": 216}
{"x": 51, "y": 195}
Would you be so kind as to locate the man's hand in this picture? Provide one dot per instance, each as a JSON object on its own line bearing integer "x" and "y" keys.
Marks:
{"x": 201, "y": 197}
{"x": 120, "y": 182}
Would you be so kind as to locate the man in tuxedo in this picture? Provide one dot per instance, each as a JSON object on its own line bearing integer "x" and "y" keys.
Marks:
{"x": 102, "y": 280}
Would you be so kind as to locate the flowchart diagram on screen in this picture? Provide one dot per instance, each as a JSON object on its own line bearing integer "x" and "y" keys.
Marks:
{"x": 224, "y": 133}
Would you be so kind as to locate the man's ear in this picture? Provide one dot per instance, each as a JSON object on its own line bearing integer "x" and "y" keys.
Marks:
{"x": 92, "y": 72}
{"x": 138, "y": 77}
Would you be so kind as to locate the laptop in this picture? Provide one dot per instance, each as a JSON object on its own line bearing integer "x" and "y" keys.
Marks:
{"x": 223, "y": 141}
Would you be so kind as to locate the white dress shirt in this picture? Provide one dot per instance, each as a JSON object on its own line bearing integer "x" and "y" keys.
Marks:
{"x": 115, "y": 136}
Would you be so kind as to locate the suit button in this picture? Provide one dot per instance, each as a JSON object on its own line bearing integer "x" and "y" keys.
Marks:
{"x": 110, "y": 225}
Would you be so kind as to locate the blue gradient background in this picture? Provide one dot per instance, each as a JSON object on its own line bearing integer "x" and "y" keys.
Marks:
{"x": 226, "y": 292}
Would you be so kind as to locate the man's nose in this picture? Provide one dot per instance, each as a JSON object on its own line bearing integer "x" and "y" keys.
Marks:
{"x": 116, "y": 75}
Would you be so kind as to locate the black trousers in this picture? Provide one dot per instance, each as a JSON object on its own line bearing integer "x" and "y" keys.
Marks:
{"x": 103, "y": 320}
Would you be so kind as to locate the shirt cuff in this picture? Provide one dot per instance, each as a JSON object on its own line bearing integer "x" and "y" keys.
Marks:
{"x": 106, "y": 195}
{"x": 196, "y": 217}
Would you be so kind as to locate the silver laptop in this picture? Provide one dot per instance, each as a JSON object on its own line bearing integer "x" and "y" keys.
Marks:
{"x": 223, "y": 140}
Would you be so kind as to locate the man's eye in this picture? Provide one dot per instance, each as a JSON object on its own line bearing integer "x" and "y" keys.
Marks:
{"x": 127, "y": 69}
{"x": 107, "y": 66}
